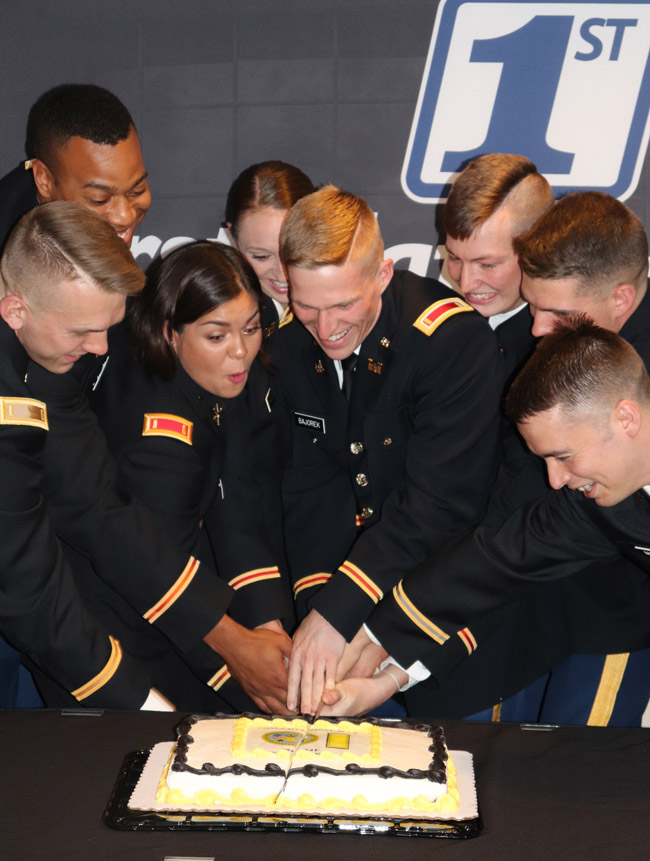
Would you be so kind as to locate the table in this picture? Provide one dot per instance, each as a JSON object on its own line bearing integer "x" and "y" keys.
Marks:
{"x": 571, "y": 792}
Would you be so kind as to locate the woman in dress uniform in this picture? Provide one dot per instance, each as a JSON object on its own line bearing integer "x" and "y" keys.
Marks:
{"x": 187, "y": 407}
{"x": 257, "y": 203}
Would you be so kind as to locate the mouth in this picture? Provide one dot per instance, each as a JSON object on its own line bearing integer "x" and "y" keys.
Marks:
{"x": 334, "y": 339}
{"x": 587, "y": 489}
{"x": 236, "y": 379}
{"x": 483, "y": 298}
{"x": 279, "y": 286}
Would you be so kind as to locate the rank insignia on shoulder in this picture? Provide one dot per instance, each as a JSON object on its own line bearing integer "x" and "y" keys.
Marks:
{"x": 164, "y": 424}
{"x": 287, "y": 317}
{"x": 437, "y": 313}
{"x": 23, "y": 411}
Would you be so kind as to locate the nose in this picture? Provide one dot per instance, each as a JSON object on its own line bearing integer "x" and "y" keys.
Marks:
{"x": 96, "y": 343}
{"x": 543, "y": 322}
{"x": 325, "y": 326}
{"x": 558, "y": 475}
{"x": 122, "y": 212}
{"x": 238, "y": 347}
{"x": 466, "y": 278}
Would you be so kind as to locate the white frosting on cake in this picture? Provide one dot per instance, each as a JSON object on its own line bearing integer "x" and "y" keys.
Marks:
{"x": 341, "y": 766}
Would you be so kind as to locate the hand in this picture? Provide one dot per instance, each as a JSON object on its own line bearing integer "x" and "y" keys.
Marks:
{"x": 352, "y": 654}
{"x": 368, "y": 661}
{"x": 256, "y": 659}
{"x": 317, "y": 649}
{"x": 359, "y": 696}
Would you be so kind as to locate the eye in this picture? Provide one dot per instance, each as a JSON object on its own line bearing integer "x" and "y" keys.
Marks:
{"x": 94, "y": 202}
{"x": 260, "y": 257}
{"x": 216, "y": 338}
{"x": 489, "y": 265}
{"x": 250, "y": 330}
{"x": 138, "y": 192}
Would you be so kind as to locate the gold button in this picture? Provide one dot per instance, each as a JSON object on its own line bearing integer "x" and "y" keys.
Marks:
{"x": 356, "y": 447}
{"x": 388, "y": 441}
{"x": 366, "y": 513}
{"x": 362, "y": 479}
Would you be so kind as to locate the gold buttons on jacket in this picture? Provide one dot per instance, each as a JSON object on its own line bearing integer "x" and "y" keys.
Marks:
{"x": 388, "y": 441}
{"x": 356, "y": 447}
{"x": 366, "y": 513}
{"x": 362, "y": 479}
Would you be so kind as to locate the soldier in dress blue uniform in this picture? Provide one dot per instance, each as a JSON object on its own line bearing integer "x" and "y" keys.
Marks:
{"x": 583, "y": 405}
{"x": 389, "y": 459}
{"x": 258, "y": 201}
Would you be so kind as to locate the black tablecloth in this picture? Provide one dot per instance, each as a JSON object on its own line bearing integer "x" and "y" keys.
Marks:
{"x": 573, "y": 792}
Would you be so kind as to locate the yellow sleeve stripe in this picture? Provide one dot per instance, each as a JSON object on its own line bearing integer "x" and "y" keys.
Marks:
{"x": 164, "y": 424}
{"x": 23, "y": 411}
{"x": 362, "y": 580}
{"x": 219, "y": 678}
{"x": 175, "y": 592}
{"x": 468, "y": 639}
{"x": 256, "y": 576}
{"x": 311, "y": 580}
{"x": 419, "y": 619}
{"x": 436, "y": 314}
{"x": 610, "y": 682}
{"x": 104, "y": 675}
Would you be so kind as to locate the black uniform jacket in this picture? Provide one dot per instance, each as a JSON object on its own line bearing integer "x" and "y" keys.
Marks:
{"x": 41, "y": 612}
{"x": 516, "y": 343}
{"x": 573, "y": 570}
{"x": 210, "y": 468}
{"x": 375, "y": 485}
{"x": 17, "y": 196}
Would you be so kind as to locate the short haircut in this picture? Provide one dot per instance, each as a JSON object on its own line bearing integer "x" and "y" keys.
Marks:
{"x": 490, "y": 182}
{"x": 64, "y": 241}
{"x": 180, "y": 288}
{"x": 75, "y": 110}
{"x": 275, "y": 184}
{"x": 329, "y": 228}
{"x": 590, "y": 236}
{"x": 581, "y": 368}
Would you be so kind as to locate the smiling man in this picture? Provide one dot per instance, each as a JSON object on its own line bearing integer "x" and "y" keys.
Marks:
{"x": 583, "y": 405}
{"x": 393, "y": 386}
{"x": 82, "y": 146}
{"x": 497, "y": 197}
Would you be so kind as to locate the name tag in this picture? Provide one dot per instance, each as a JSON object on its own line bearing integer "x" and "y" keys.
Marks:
{"x": 312, "y": 423}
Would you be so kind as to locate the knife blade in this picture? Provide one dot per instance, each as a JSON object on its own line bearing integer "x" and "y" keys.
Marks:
{"x": 311, "y": 720}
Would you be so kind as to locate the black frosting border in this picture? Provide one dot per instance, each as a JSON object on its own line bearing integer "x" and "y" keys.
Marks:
{"x": 435, "y": 773}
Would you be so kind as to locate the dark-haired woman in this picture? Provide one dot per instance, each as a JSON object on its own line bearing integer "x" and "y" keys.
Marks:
{"x": 257, "y": 203}
{"x": 191, "y": 423}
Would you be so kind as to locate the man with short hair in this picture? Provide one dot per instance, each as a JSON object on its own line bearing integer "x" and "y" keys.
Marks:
{"x": 582, "y": 403}
{"x": 497, "y": 197}
{"x": 82, "y": 146}
{"x": 391, "y": 458}
{"x": 65, "y": 274}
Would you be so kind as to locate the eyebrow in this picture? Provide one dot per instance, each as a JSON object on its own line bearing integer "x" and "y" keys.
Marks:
{"x": 329, "y": 307}
{"x": 492, "y": 256}
{"x": 226, "y": 325}
{"x": 101, "y": 187}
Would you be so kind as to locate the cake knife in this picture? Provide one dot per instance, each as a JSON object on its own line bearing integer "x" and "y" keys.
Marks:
{"x": 311, "y": 720}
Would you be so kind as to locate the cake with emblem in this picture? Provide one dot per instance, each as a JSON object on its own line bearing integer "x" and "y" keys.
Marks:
{"x": 333, "y": 766}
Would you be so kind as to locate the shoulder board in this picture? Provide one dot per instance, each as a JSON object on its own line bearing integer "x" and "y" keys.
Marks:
{"x": 435, "y": 314}
{"x": 164, "y": 424}
{"x": 287, "y": 317}
{"x": 23, "y": 411}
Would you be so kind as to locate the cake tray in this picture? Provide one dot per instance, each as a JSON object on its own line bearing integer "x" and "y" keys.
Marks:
{"x": 120, "y": 816}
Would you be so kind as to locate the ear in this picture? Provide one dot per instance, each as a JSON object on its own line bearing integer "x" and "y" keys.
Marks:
{"x": 624, "y": 297}
{"x": 628, "y": 416}
{"x": 385, "y": 273}
{"x": 170, "y": 335}
{"x": 44, "y": 180}
{"x": 12, "y": 311}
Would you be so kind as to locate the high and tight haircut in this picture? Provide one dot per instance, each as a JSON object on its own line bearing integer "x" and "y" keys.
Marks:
{"x": 181, "y": 287}
{"x": 64, "y": 241}
{"x": 273, "y": 184}
{"x": 490, "y": 182}
{"x": 75, "y": 110}
{"x": 329, "y": 228}
{"x": 590, "y": 236}
{"x": 581, "y": 368}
